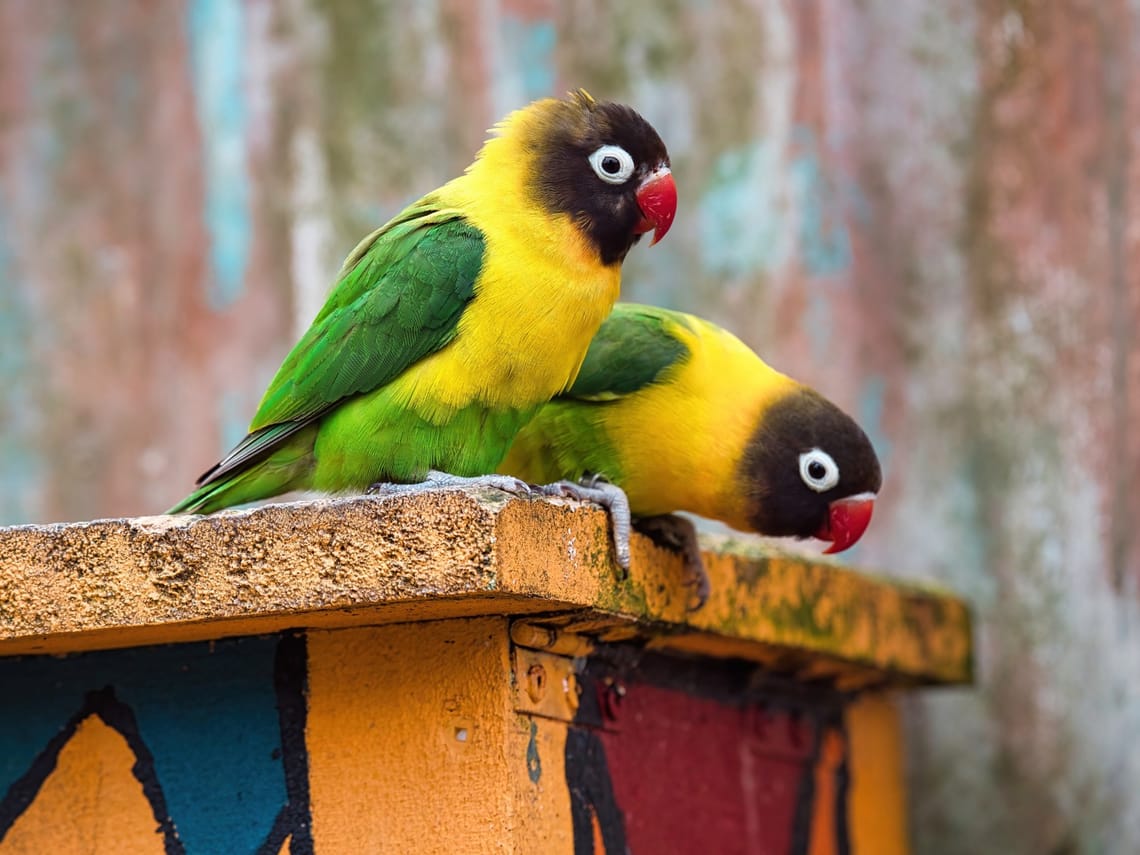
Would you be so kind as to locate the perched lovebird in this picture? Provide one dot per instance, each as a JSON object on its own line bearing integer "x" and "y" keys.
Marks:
{"x": 452, "y": 323}
{"x": 683, "y": 416}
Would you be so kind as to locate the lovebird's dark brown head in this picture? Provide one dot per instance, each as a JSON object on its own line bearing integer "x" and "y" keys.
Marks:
{"x": 602, "y": 164}
{"x": 810, "y": 471}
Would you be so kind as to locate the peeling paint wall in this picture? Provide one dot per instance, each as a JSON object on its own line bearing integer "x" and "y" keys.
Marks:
{"x": 923, "y": 209}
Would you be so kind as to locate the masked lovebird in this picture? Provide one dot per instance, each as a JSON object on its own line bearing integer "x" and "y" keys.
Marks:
{"x": 452, "y": 323}
{"x": 683, "y": 416}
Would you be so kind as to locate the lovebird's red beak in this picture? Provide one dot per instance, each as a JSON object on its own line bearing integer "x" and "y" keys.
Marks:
{"x": 657, "y": 198}
{"x": 847, "y": 519}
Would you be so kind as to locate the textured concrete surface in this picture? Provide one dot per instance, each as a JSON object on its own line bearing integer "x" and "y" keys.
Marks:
{"x": 113, "y": 583}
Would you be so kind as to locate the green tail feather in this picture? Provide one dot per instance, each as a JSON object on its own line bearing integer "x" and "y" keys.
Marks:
{"x": 235, "y": 490}
{"x": 204, "y": 500}
{"x": 281, "y": 472}
{"x": 277, "y": 470}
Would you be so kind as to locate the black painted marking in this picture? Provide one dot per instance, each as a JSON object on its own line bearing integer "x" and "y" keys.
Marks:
{"x": 277, "y": 834}
{"x": 290, "y": 680}
{"x": 827, "y": 722}
{"x": 533, "y": 761}
{"x": 805, "y": 797}
{"x": 843, "y": 796}
{"x": 117, "y": 715}
{"x": 294, "y": 820}
{"x": 591, "y": 794}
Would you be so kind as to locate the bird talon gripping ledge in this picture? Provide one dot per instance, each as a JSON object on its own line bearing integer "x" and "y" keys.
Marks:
{"x": 443, "y": 481}
{"x": 611, "y": 497}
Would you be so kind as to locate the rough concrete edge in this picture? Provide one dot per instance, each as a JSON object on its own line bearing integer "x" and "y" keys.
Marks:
{"x": 304, "y": 563}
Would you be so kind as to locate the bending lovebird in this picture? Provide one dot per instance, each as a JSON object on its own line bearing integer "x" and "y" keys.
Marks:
{"x": 451, "y": 324}
{"x": 683, "y": 416}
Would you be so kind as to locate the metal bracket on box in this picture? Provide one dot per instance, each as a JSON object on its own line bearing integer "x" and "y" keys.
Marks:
{"x": 545, "y": 662}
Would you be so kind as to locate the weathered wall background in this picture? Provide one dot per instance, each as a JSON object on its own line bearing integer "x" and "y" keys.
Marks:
{"x": 925, "y": 209}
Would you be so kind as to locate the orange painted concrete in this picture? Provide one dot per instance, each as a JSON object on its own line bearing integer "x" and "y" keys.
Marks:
{"x": 416, "y": 734}
{"x": 414, "y": 745}
{"x": 877, "y": 807}
{"x": 823, "y": 820}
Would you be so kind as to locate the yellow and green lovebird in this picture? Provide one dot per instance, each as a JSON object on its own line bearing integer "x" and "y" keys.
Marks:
{"x": 683, "y": 416}
{"x": 451, "y": 324}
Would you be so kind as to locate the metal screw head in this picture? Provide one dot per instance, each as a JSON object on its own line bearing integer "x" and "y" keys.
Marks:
{"x": 536, "y": 682}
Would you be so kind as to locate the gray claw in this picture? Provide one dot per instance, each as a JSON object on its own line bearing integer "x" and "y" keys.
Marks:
{"x": 611, "y": 497}
{"x": 679, "y": 535}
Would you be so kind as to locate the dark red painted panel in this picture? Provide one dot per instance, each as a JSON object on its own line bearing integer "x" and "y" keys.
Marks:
{"x": 676, "y": 758}
{"x": 696, "y": 775}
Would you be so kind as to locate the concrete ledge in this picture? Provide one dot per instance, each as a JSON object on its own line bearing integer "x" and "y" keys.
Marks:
{"x": 343, "y": 562}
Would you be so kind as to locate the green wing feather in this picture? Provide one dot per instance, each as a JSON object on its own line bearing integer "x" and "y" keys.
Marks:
{"x": 398, "y": 299}
{"x": 634, "y": 347}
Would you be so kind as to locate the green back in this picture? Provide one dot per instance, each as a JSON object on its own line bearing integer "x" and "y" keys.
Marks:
{"x": 399, "y": 298}
{"x": 634, "y": 347}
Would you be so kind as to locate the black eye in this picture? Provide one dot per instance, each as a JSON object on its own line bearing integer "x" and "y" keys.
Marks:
{"x": 611, "y": 165}
{"x": 817, "y": 470}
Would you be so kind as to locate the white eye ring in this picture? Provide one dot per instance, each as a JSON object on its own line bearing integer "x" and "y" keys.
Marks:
{"x": 604, "y": 156}
{"x": 813, "y": 459}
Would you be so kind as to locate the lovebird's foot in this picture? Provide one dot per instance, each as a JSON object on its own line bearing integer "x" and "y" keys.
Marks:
{"x": 436, "y": 480}
{"x": 611, "y": 497}
{"x": 679, "y": 535}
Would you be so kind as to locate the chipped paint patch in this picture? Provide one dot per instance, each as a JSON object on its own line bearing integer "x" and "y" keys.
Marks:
{"x": 21, "y": 466}
{"x": 740, "y": 215}
{"x": 313, "y": 258}
{"x": 823, "y": 240}
{"x": 216, "y": 29}
{"x": 766, "y": 204}
{"x": 525, "y": 69}
{"x": 232, "y": 419}
{"x": 871, "y": 407}
{"x": 820, "y": 326}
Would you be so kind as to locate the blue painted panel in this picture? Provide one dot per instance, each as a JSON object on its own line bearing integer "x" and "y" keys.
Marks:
{"x": 207, "y": 712}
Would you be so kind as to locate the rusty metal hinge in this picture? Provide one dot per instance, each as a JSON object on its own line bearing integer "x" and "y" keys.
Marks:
{"x": 545, "y": 662}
